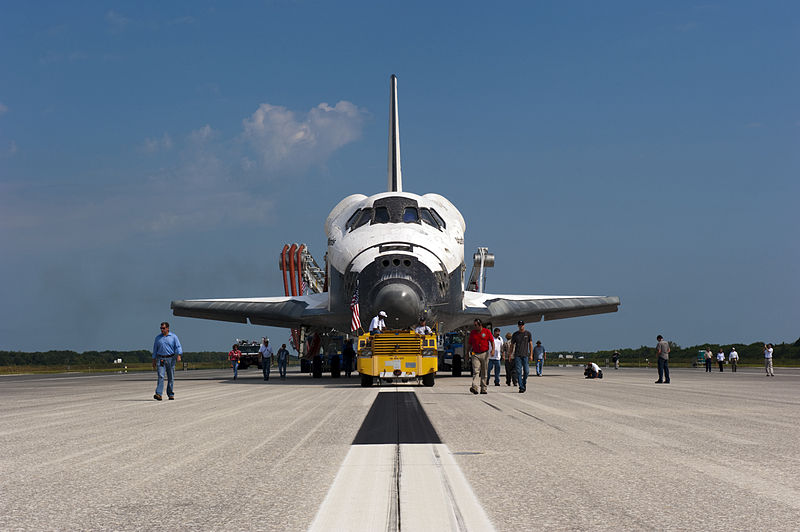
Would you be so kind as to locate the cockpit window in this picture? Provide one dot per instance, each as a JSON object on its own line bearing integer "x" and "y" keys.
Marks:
{"x": 366, "y": 216}
{"x": 428, "y": 218}
{"x": 438, "y": 219}
{"x": 352, "y": 219}
{"x": 381, "y": 215}
{"x": 410, "y": 215}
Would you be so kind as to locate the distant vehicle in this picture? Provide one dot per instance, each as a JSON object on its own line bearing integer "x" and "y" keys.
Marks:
{"x": 452, "y": 355}
{"x": 250, "y": 353}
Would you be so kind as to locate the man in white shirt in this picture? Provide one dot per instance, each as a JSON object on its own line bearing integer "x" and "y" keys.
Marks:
{"x": 593, "y": 371}
{"x": 266, "y": 357}
{"x": 733, "y": 359}
{"x": 768, "y": 360}
{"x": 494, "y": 358}
{"x": 377, "y": 324}
{"x": 422, "y": 328}
{"x": 720, "y": 358}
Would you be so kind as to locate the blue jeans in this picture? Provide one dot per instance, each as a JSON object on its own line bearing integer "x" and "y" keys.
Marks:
{"x": 663, "y": 369}
{"x": 522, "y": 371}
{"x": 496, "y": 365}
{"x": 235, "y": 365}
{"x": 166, "y": 370}
{"x": 265, "y": 367}
{"x": 282, "y": 367}
{"x": 539, "y": 364}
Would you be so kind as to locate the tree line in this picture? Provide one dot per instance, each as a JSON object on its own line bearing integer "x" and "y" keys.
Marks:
{"x": 96, "y": 358}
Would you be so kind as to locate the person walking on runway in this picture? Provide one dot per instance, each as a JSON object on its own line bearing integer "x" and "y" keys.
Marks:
{"x": 522, "y": 349}
{"x": 166, "y": 349}
{"x": 481, "y": 345}
{"x": 234, "y": 355}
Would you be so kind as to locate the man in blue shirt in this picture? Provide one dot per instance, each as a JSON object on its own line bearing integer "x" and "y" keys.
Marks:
{"x": 166, "y": 349}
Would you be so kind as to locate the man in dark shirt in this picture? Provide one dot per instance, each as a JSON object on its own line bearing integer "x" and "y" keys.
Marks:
{"x": 662, "y": 351}
{"x": 522, "y": 349}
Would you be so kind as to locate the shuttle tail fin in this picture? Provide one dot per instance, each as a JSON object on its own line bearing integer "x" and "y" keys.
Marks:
{"x": 395, "y": 176}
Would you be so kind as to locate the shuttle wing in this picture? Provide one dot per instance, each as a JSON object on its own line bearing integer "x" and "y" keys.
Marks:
{"x": 503, "y": 310}
{"x": 290, "y": 312}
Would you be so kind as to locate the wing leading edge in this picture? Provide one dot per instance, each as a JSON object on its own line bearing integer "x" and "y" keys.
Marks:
{"x": 290, "y": 312}
{"x": 503, "y": 310}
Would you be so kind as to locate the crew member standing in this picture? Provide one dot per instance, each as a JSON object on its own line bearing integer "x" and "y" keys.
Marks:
{"x": 615, "y": 359}
{"x": 348, "y": 354}
{"x": 511, "y": 370}
{"x": 720, "y": 359}
{"x": 422, "y": 328}
{"x": 522, "y": 349}
{"x": 733, "y": 359}
{"x": 768, "y": 350}
{"x": 266, "y": 357}
{"x": 234, "y": 355}
{"x": 662, "y": 351}
{"x": 540, "y": 355}
{"x": 481, "y": 345}
{"x": 377, "y": 325}
{"x": 494, "y": 360}
{"x": 283, "y": 360}
{"x": 166, "y": 349}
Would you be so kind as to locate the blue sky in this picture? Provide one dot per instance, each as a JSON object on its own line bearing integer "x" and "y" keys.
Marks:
{"x": 160, "y": 151}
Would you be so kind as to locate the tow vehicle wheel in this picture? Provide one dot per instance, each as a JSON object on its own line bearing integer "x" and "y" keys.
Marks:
{"x": 316, "y": 367}
{"x": 429, "y": 379}
{"x": 336, "y": 371}
{"x": 366, "y": 381}
{"x": 243, "y": 366}
{"x": 305, "y": 366}
{"x": 456, "y": 366}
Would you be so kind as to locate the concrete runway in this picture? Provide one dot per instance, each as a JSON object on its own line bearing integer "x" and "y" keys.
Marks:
{"x": 710, "y": 451}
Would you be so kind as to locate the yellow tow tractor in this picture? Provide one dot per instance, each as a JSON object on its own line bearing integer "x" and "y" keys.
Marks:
{"x": 397, "y": 356}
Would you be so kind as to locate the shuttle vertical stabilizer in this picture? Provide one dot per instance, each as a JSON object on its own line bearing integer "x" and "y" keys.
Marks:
{"x": 395, "y": 177}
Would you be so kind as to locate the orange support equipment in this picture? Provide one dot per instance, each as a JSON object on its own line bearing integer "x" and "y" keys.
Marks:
{"x": 299, "y": 264}
{"x": 283, "y": 269}
{"x": 292, "y": 275}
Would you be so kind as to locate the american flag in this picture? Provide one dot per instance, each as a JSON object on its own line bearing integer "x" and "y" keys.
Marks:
{"x": 355, "y": 322}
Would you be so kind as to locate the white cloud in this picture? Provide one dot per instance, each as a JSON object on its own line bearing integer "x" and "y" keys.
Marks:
{"x": 284, "y": 141}
{"x": 116, "y": 21}
{"x": 154, "y": 145}
{"x": 203, "y": 134}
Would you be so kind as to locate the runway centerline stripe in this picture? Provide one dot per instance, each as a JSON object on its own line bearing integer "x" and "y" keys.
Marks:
{"x": 399, "y": 476}
{"x": 396, "y": 418}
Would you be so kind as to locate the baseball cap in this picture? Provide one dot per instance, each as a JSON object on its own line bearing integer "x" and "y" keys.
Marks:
{"x": 382, "y": 314}
{"x": 520, "y": 322}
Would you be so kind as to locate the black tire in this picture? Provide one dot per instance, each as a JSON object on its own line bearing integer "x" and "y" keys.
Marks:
{"x": 316, "y": 367}
{"x": 456, "y": 366}
{"x": 305, "y": 366}
{"x": 366, "y": 381}
{"x": 336, "y": 370}
{"x": 243, "y": 366}
{"x": 429, "y": 379}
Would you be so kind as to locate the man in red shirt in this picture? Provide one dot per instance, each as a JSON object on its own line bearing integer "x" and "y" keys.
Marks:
{"x": 481, "y": 343}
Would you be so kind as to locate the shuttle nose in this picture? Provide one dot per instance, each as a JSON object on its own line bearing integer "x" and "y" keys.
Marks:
{"x": 402, "y": 304}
